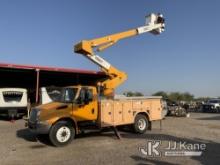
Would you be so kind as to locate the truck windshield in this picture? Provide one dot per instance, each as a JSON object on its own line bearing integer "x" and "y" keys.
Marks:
{"x": 67, "y": 95}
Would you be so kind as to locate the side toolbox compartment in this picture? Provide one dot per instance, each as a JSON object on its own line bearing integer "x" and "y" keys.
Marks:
{"x": 115, "y": 112}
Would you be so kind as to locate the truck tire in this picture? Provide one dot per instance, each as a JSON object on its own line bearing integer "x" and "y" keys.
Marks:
{"x": 141, "y": 124}
{"x": 62, "y": 133}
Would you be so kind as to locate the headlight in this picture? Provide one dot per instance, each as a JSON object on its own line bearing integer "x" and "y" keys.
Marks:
{"x": 34, "y": 115}
{"x": 38, "y": 113}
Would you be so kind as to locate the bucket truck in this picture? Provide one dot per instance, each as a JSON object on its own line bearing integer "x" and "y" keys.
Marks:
{"x": 80, "y": 107}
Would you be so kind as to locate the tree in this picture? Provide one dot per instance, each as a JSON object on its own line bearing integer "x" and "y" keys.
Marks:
{"x": 132, "y": 94}
{"x": 175, "y": 96}
{"x": 202, "y": 99}
{"x": 161, "y": 93}
{"x": 138, "y": 94}
{"x": 187, "y": 96}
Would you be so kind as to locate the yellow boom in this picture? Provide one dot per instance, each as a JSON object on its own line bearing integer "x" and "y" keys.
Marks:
{"x": 154, "y": 25}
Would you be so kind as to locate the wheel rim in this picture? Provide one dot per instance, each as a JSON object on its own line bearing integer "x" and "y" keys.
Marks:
{"x": 63, "y": 134}
{"x": 141, "y": 124}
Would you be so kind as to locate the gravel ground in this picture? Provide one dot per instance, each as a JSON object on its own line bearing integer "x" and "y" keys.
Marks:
{"x": 19, "y": 146}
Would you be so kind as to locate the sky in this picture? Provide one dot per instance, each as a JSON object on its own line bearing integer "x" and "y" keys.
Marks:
{"x": 184, "y": 58}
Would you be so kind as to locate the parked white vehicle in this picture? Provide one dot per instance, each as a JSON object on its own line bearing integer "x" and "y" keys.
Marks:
{"x": 13, "y": 102}
{"x": 213, "y": 105}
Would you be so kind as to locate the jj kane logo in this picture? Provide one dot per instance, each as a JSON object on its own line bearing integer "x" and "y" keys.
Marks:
{"x": 173, "y": 148}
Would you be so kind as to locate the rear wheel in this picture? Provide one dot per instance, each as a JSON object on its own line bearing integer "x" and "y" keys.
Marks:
{"x": 141, "y": 124}
{"x": 62, "y": 133}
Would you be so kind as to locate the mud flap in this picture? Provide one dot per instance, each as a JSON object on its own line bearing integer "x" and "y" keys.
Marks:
{"x": 149, "y": 125}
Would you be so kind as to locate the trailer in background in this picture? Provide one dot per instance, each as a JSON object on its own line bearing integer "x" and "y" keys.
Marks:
{"x": 13, "y": 102}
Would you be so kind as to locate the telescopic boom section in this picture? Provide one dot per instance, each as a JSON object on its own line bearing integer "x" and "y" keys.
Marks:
{"x": 155, "y": 24}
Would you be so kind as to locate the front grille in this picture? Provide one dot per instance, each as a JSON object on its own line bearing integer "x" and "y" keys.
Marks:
{"x": 33, "y": 115}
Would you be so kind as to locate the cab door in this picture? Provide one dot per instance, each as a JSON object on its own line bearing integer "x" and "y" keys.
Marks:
{"x": 86, "y": 105}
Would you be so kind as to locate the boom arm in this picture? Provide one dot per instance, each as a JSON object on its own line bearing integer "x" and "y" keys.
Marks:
{"x": 155, "y": 25}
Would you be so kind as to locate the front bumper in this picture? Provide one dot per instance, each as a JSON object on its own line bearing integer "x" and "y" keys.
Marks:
{"x": 39, "y": 127}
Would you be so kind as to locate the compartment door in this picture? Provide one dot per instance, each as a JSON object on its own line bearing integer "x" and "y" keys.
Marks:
{"x": 156, "y": 109}
{"x": 107, "y": 114}
{"x": 118, "y": 120}
{"x": 128, "y": 117}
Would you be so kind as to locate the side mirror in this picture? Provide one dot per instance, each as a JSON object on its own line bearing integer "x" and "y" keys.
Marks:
{"x": 88, "y": 96}
{"x": 79, "y": 101}
{"x": 85, "y": 97}
{"x": 86, "y": 101}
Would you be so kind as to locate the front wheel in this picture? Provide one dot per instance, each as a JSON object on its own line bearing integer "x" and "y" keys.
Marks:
{"x": 141, "y": 124}
{"x": 62, "y": 133}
